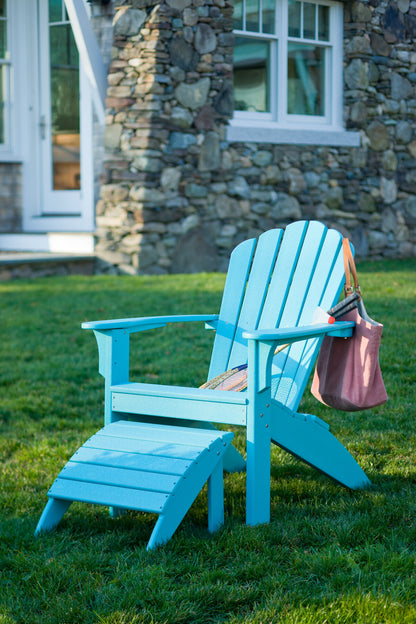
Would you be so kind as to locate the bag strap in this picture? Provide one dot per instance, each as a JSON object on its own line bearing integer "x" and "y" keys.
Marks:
{"x": 350, "y": 268}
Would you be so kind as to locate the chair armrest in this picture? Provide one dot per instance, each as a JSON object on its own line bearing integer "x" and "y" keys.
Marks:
{"x": 285, "y": 335}
{"x": 144, "y": 323}
{"x": 262, "y": 343}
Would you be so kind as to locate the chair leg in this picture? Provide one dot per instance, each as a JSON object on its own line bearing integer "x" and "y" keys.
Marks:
{"x": 116, "y": 512}
{"x": 258, "y": 483}
{"x": 172, "y": 516}
{"x": 311, "y": 441}
{"x": 216, "y": 498}
{"x": 52, "y": 514}
{"x": 163, "y": 530}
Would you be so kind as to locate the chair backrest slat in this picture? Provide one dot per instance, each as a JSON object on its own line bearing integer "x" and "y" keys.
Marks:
{"x": 234, "y": 290}
{"x": 255, "y": 292}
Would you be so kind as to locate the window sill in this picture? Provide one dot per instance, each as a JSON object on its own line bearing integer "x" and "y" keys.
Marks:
{"x": 251, "y": 132}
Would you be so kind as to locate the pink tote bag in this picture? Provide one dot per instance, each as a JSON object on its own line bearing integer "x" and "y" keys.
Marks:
{"x": 347, "y": 375}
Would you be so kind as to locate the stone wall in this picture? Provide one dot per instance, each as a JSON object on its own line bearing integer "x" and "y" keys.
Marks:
{"x": 10, "y": 197}
{"x": 177, "y": 196}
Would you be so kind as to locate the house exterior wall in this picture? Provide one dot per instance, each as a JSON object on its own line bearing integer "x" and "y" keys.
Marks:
{"x": 10, "y": 197}
{"x": 177, "y": 196}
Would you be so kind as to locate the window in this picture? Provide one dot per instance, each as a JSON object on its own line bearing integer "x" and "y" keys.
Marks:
{"x": 288, "y": 70}
{"x": 4, "y": 74}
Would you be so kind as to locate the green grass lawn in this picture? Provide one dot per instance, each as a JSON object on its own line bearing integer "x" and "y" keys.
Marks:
{"x": 328, "y": 556}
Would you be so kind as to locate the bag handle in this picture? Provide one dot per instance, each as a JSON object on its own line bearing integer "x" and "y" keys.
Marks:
{"x": 349, "y": 267}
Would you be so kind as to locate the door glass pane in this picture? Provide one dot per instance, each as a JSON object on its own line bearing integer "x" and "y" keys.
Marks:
{"x": 268, "y": 16}
{"x": 305, "y": 80}
{"x": 252, "y": 15}
{"x": 309, "y": 20}
{"x": 251, "y": 75}
{"x": 65, "y": 118}
{"x": 323, "y": 23}
{"x": 238, "y": 15}
{"x": 55, "y": 10}
{"x": 294, "y": 18}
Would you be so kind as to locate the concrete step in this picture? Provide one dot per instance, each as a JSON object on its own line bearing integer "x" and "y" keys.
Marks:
{"x": 26, "y": 265}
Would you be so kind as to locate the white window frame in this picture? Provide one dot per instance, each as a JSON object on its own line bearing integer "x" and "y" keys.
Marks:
{"x": 277, "y": 126}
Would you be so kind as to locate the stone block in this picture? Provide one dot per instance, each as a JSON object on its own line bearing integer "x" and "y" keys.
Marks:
{"x": 297, "y": 182}
{"x": 227, "y": 207}
{"x": 194, "y": 254}
{"x": 286, "y": 207}
{"x": 170, "y": 178}
{"x": 140, "y": 193}
{"x": 193, "y": 95}
{"x": 334, "y": 198}
{"x": 239, "y": 187}
{"x": 205, "y": 120}
{"x": 209, "y": 155}
{"x": 356, "y": 74}
{"x": 113, "y": 193}
{"x": 195, "y": 191}
{"x": 190, "y": 17}
{"x": 404, "y": 132}
{"x": 181, "y": 117}
{"x": 149, "y": 165}
{"x": 182, "y": 54}
{"x": 401, "y": 88}
{"x": 361, "y": 12}
{"x": 128, "y": 21}
{"x": 377, "y": 240}
{"x": 379, "y": 45}
{"x": 224, "y": 102}
{"x": 388, "y": 190}
{"x": 378, "y": 135}
{"x": 358, "y": 45}
{"x": 181, "y": 140}
{"x": 205, "y": 39}
{"x": 179, "y": 5}
{"x": 112, "y": 135}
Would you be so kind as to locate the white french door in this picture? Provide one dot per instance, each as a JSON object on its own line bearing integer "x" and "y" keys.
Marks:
{"x": 62, "y": 132}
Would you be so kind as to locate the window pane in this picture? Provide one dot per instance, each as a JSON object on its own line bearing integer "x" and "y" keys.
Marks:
{"x": 238, "y": 15}
{"x": 309, "y": 20}
{"x": 55, "y": 10}
{"x": 251, "y": 75}
{"x": 268, "y": 16}
{"x": 294, "y": 18}
{"x": 305, "y": 80}
{"x": 3, "y": 73}
{"x": 252, "y": 15}
{"x": 3, "y": 39}
{"x": 3, "y": 7}
{"x": 323, "y": 14}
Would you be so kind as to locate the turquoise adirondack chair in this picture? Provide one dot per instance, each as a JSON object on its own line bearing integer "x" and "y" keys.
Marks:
{"x": 273, "y": 288}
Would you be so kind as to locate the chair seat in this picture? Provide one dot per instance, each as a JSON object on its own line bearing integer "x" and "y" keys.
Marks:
{"x": 146, "y": 467}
